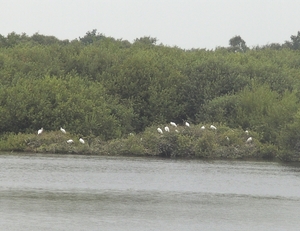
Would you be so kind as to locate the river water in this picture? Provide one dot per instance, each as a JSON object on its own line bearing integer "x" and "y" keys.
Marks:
{"x": 67, "y": 192}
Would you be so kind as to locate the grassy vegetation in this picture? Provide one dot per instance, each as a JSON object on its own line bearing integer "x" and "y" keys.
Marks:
{"x": 186, "y": 142}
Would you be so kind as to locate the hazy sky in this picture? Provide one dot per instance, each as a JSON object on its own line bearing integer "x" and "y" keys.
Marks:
{"x": 183, "y": 23}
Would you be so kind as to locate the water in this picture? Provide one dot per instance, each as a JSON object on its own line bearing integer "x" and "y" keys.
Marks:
{"x": 65, "y": 192}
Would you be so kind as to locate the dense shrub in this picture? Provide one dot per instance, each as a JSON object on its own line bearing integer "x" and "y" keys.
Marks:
{"x": 104, "y": 89}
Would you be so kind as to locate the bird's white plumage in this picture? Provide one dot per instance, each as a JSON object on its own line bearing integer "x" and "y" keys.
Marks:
{"x": 70, "y": 141}
{"x": 81, "y": 140}
{"x": 202, "y": 128}
{"x": 187, "y": 124}
{"x": 63, "y": 130}
{"x": 173, "y": 124}
{"x": 40, "y": 131}
{"x": 249, "y": 140}
{"x": 167, "y": 129}
{"x": 213, "y": 127}
{"x": 159, "y": 130}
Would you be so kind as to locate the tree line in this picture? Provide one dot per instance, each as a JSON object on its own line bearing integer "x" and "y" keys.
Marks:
{"x": 104, "y": 87}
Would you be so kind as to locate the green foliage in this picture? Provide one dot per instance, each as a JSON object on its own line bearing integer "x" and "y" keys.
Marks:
{"x": 290, "y": 136}
{"x": 103, "y": 89}
{"x": 145, "y": 41}
{"x": 295, "y": 42}
{"x": 207, "y": 79}
{"x": 268, "y": 151}
{"x": 265, "y": 111}
{"x": 205, "y": 145}
{"x": 237, "y": 44}
{"x": 53, "y": 102}
{"x": 130, "y": 146}
{"x": 90, "y": 37}
{"x": 12, "y": 142}
{"x": 221, "y": 109}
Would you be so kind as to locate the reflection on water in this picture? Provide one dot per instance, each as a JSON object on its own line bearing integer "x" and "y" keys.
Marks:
{"x": 59, "y": 192}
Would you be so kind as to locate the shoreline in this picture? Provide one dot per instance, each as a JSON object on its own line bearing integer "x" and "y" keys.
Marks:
{"x": 250, "y": 159}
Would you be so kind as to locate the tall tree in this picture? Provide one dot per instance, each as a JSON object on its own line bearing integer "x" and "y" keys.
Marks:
{"x": 91, "y": 36}
{"x": 237, "y": 44}
{"x": 294, "y": 44}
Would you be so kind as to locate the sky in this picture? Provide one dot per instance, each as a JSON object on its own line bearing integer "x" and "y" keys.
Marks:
{"x": 183, "y": 23}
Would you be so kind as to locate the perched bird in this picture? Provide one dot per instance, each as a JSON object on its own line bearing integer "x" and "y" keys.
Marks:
{"x": 187, "y": 124}
{"x": 159, "y": 130}
{"x": 202, "y": 128}
{"x": 247, "y": 132}
{"x": 70, "y": 141}
{"x": 249, "y": 140}
{"x": 167, "y": 129}
{"x": 63, "y": 130}
{"x": 173, "y": 124}
{"x": 40, "y": 131}
{"x": 213, "y": 127}
{"x": 81, "y": 140}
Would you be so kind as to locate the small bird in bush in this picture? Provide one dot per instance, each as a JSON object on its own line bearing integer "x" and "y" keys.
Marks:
{"x": 81, "y": 140}
{"x": 202, "y": 128}
{"x": 63, "y": 130}
{"x": 159, "y": 130}
{"x": 187, "y": 124}
{"x": 213, "y": 127}
{"x": 247, "y": 132}
{"x": 167, "y": 129}
{"x": 249, "y": 140}
{"x": 40, "y": 131}
{"x": 70, "y": 141}
{"x": 173, "y": 124}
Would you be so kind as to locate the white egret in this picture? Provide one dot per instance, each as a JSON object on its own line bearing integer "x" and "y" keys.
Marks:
{"x": 81, "y": 140}
{"x": 173, "y": 124}
{"x": 70, "y": 141}
{"x": 187, "y": 124}
{"x": 213, "y": 127}
{"x": 40, "y": 131}
{"x": 247, "y": 132}
{"x": 63, "y": 130}
{"x": 249, "y": 140}
{"x": 167, "y": 129}
{"x": 202, "y": 128}
{"x": 159, "y": 130}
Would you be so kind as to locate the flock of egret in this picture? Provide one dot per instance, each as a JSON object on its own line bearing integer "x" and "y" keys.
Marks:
{"x": 70, "y": 141}
{"x": 187, "y": 124}
{"x": 167, "y": 129}
{"x": 159, "y": 130}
